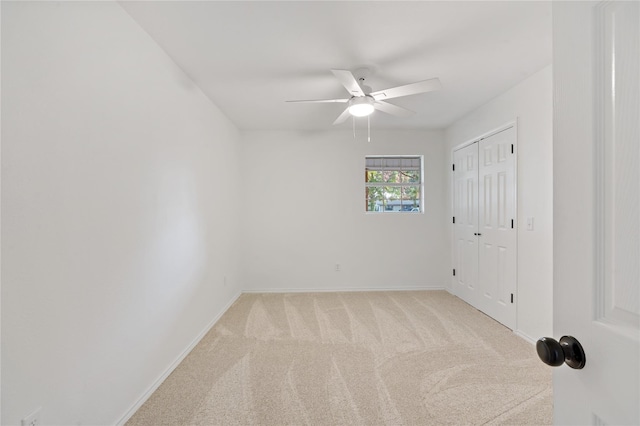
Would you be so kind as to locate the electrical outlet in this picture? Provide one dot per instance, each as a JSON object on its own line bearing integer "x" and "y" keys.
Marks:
{"x": 32, "y": 419}
{"x": 337, "y": 267}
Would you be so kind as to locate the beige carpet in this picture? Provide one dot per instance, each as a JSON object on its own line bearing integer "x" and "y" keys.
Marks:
{"x": 374, "y": 358}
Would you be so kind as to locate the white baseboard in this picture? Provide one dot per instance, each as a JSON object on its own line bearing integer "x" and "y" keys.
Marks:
{"x": 174, "y": 364}
{"x": 525, "y": 336}
{"x": 340, "y": 289}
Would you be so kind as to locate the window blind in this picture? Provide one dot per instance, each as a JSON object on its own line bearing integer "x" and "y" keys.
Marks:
{"x": 392, "y": 163}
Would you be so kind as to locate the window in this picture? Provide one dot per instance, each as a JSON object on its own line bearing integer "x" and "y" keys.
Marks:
{"x": 393, "y": 184}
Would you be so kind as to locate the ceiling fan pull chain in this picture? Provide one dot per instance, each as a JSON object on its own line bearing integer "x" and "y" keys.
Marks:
{"x": 353, "y": 120}
{"x": 368, "y": 128}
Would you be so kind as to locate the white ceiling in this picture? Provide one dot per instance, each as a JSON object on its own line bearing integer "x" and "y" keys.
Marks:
{"x": 250, "y": 57}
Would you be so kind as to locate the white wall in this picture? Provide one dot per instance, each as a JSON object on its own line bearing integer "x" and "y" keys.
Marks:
{"x": 117, "y": 180}
{"x": 0, "y": 220}
{"x": 304, "y": 212}
{"x": 531, "y": 103}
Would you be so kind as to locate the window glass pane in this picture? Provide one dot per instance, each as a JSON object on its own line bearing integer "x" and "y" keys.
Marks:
{"x": 375, "y": 199}
{"x": 411, "y": 192}
{"x": 411, "y": 176}
{"x": 393, "y": 196}
{"x": 374, "y": 176}
{"x": 410, "y": 198}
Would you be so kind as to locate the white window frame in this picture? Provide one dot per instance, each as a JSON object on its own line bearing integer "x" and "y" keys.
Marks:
{"x": 381, "y": 184}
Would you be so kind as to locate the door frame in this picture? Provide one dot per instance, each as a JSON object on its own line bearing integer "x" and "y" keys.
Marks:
{"x": 512, "y": 123}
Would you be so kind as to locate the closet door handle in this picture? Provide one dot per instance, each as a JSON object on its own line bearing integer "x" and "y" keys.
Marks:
{"x": 477, "y": 233}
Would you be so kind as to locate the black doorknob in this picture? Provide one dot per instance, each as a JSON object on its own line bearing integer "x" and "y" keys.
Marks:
{"x": 568, "y": 351}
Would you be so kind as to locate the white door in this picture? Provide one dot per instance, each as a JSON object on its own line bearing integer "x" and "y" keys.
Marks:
{"x": 497, "y": 234}
{"x": 466, "y": 223}
{"x": 596, "y": 188}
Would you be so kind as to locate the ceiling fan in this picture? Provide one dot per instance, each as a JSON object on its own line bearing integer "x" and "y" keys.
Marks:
{"x": 363, "y": 101}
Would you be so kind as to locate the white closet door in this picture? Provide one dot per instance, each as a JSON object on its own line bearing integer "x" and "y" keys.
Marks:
{"x": 497, "y": 234}
{"x": 466, "y": 223}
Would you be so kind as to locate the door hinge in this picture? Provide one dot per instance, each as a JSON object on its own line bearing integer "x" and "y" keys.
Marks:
{"x": 454, "y": 219}
{"x": 511, "y": 223}
{"x": 512, "y": 148}
{"x": 454, "y": 272}
{"x": 511, "y": 297}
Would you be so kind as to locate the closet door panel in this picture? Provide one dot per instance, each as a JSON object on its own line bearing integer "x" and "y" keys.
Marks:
{"x": 466, "y": 223}
{"x": 497, "y": 239}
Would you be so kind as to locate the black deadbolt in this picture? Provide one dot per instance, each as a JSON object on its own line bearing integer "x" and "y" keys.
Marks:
{"x": 568, "y": 351}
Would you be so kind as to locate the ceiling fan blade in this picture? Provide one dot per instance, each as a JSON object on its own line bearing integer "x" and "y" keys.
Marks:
{"x": 342, "y": 117}
{"x": 349, "y": 82}
{"x": 392, "y": 109}
{"x": 318, "y": 101}
{"x": 408, "y": 89}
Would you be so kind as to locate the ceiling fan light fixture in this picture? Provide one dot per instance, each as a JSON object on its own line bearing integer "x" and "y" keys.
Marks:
{"x": 361, "y": 106}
